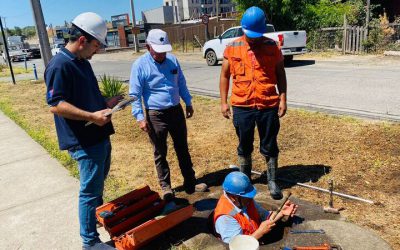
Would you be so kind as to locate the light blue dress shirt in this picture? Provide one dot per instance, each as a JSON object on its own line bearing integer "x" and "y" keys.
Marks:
{"x": 160, "y": 85}
{"x": 228, "y": 227}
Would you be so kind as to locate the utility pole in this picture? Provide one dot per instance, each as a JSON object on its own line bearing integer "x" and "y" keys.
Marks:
{"x": 173, "y": 12}
{"x": 6, "y": 51}
{"x": 367, "y": 19}
{"x": 135, "y": 40}
{"x": 5, "y": 26}
{"x": 217, "y": 9}
{"x": 41, "y": 31}
{"x": 178, "y": 12}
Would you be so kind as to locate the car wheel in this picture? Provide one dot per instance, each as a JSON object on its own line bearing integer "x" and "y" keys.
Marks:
{"x": 211, "y": 58}
{"x": 288, "y": 60}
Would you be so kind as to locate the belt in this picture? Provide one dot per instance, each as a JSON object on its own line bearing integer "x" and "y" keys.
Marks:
{"x": 167, "y": 109}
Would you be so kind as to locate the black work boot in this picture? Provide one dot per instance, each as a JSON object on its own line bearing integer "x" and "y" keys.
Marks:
{"x": 245, "y": 165}
{"x": 272, "y": 166}
{"x": 191, "y": 185}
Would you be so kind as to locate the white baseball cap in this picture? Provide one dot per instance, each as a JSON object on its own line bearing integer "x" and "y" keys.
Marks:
{"x": 158, "y": 40}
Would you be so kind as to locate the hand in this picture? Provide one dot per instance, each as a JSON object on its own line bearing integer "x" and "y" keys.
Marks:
{"x": 226, "y": 111}
{"x": 289, "y": 209}
{"x": 111, "y": 102}
{"x": 189, "y": 111}
{"x": 99, "y": 118}
{"x": 143, "y": 125}
{"x": 282, "y": 109}
{"x": 266, "y": 226}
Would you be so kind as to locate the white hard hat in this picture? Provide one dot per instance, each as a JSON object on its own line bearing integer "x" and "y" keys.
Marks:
{"x": 92, "y": 24}
{"x": 158, "y": 39}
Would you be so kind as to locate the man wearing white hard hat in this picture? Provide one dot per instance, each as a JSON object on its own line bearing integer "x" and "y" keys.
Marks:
{"x": 157, "y": 78}
{"x": 74, "y": 98}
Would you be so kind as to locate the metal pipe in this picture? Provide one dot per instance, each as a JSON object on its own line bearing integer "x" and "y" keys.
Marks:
{"x": 313, "y": 187}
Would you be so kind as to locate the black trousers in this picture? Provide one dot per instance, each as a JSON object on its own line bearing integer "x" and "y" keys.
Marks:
{"x": 267, "y": 121}
{"x": 172, "y": 121}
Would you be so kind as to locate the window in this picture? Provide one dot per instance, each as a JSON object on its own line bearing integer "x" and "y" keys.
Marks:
{"x": 270, "y": 29}
{"x": 239, "y": 32}
{"x": 229, "y": 34}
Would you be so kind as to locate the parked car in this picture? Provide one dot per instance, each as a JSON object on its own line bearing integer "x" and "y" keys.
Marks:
{"x": 291, "y": 43}
{"x": 34, "y": 53}
{"x": 18, "y": 55}
{"x": 56, "y": 48}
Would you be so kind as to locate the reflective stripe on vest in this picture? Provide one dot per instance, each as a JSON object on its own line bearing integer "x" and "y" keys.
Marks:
{"x": 253, "y": 73}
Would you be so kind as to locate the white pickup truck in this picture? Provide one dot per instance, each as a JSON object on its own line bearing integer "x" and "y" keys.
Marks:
{"x": 291, "y": 43}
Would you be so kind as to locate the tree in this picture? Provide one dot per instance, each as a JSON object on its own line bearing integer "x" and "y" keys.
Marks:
{"x": 308, "y": 14}
{"x": 29, "y": 31}
{"x": 10, "y": 32}
{"x": 17, "y": 31}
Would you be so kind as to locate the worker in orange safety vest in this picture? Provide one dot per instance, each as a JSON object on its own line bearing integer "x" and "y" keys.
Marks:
{"x": 256, "y": 66}
{"x": 237, "y": 212}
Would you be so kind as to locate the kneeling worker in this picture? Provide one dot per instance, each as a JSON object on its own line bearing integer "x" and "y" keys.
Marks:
{"x": 237, "y": 212}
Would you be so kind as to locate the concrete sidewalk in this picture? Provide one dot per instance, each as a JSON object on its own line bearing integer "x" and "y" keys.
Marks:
{"x": 39, "y": 199}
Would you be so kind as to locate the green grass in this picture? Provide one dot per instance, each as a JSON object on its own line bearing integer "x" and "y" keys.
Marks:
{"x": 40, "y": 136}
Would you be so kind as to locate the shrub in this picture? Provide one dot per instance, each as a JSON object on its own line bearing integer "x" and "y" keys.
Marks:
{"x": 110, "y": 86}
{"x": 394, "y": 46}
{"x": 380, "y": 35}
{"x": 3, "y": 66}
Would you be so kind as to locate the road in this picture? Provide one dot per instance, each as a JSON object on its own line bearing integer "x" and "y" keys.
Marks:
{"x": 363, "y": 86}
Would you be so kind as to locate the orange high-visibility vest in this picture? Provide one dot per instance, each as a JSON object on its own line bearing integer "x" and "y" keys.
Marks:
{"x": 249, "y": 226}
{"x": 253, "y": 73}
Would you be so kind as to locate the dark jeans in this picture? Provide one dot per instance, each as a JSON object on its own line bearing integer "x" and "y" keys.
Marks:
{"x": 172, "y": 121}
{"x": 267, "y": 120}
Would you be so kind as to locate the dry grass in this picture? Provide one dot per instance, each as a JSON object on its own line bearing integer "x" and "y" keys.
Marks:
{"x": 17, "y": 70}
{"x": 361, "y": 156}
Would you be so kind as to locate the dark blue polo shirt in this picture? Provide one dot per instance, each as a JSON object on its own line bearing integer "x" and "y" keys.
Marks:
{"x": 72, "y": 80}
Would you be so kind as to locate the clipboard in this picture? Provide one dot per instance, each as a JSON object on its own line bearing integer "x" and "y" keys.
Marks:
{"x": 120, "y": 106}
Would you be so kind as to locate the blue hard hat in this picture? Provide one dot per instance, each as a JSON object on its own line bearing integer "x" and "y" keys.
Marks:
{"x": 239, "y": 184}
{"x": 254, "y": 22}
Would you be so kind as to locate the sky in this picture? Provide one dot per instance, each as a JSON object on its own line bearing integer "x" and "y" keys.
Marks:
{"x": 55, "y": 12}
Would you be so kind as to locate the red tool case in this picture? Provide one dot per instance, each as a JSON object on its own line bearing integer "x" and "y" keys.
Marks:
{"x": 135, "y": 218}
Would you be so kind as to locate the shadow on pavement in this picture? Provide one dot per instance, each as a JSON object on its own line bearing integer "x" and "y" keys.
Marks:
{"x": 213, "y": 179}
{"x": 299, "y": 63}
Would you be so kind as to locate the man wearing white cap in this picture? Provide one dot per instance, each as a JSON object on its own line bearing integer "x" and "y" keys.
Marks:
{"x": 157, "y": 77}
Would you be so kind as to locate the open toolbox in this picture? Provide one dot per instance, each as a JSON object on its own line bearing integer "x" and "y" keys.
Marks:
{"x": 135, "y": 218}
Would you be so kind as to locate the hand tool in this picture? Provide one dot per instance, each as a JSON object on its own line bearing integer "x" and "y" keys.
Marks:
{"x": 330, "y": 208}
{"x": 312, "y": 187}
{"x": 121, "y": 105}
{"x": 284, "y": 199}
{"x": 321, "y": 247}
